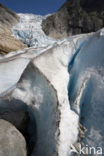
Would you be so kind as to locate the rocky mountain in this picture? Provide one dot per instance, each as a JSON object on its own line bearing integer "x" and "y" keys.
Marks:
{"x": 75, "y": 17}
{"x": 8, "y": 43}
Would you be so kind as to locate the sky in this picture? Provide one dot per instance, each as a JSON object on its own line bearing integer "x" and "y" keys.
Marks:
{"x": 41, "y": 7}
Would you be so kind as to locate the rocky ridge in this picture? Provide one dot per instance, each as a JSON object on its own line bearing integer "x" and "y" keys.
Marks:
{"x": 75, "y": 17}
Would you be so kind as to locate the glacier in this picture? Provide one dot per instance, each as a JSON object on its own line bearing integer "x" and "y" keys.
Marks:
{"x": 29, "y": 31}
{"x": 61, "y": 81}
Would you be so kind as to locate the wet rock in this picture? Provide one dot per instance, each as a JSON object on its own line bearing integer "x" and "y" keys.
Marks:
{"x": 12, "y": 143}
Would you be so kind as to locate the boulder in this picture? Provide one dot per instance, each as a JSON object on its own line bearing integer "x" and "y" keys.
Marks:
{"x": 21, "y": 116}
{"x": 12, "y": 143}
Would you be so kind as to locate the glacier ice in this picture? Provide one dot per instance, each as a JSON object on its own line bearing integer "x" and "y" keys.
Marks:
{"x": 43, "y": 86}
{"x": 29, "y": 31}
{"x": 35, "y": 91}
{"x": 10, "y": 73}
{"x": 63, "y": 83}
{"x": 86, "y": 89}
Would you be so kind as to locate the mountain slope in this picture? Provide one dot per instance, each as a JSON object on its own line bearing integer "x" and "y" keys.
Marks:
{"x": 75, "y": 17}
{"x": 7, "y": 42}
{"x": 7, "y": 17}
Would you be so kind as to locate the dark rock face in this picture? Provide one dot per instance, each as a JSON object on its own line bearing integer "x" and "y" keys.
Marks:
{"x": 12, "y": 143}
{"x": 74, "y": 17}
{"x": 93, "y": 5}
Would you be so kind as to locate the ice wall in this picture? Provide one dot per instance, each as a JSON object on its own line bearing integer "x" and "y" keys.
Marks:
{"x": 36, "y": 91}
{"x": 86, "y": 88}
